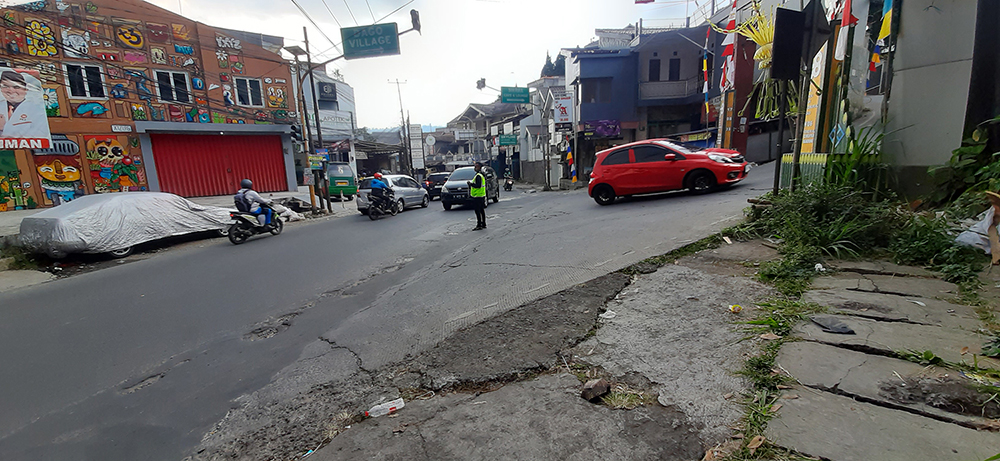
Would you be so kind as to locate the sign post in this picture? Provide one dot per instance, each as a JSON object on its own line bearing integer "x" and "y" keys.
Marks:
{"x": 514, "y": 95}
{"x": 370, "y": 41}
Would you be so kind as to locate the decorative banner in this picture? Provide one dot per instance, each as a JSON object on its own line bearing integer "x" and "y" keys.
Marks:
{"x": 601, "y": 129}
{"x": 23, "y": 118}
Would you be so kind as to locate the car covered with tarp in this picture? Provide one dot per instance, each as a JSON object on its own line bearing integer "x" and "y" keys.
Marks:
{"x": 115, "y": 223}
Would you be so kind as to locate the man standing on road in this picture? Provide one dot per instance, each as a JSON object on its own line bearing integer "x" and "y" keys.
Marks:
{"x": 477, "y": 190}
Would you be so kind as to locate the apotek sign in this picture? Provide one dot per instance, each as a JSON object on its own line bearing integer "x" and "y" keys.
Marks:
{"x": 369, "y": 41}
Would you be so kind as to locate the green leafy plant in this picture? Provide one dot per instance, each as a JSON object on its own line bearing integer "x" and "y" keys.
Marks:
{"x": 858, "y": 161}
{"x": 971, "y": 168}
{"x": 992, "y": 347}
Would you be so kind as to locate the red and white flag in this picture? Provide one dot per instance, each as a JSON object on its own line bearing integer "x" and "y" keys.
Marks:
{"x": 729, "y": 52}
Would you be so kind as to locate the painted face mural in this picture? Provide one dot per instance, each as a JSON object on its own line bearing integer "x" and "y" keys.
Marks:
{"x": 276, "y": 97}
{"x": 130, "y": 36}
{"x": 60, "y": 177}
{"x": 76, "y": 44}
{"x": 41, "y": 40}
{"x": 111, "y": 167}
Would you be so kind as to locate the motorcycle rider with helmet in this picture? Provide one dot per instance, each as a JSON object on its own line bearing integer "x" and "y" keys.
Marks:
{"x": 380, "y": 190}
{"x": 246, "y": 198}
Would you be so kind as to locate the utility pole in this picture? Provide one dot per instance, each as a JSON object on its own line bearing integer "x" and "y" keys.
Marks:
{"x": 320, "y": 175}
{"x": 404, "y": 160}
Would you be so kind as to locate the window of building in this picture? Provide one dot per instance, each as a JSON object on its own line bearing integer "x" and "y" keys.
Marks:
{"x": 675, "y": 70}
{"x": 616, "y": 158}
{"x": 248, "y": 92}
{"x": 596, "y": 90}
{"x": 173, "y": 86}
{"x": 654, "y": 70}
{"x": 85, "y": 81}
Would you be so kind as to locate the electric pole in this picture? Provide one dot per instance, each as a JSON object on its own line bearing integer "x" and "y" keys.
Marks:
{"x": 404, "y": 139}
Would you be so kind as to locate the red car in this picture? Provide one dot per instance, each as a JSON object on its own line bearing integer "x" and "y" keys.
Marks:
{"x": 660, "y": 165}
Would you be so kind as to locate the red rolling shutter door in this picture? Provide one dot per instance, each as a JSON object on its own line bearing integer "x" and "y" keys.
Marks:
{"x": 204, "y": 165}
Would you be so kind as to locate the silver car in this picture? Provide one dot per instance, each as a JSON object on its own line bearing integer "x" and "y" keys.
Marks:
{"x": 406, "y": 189}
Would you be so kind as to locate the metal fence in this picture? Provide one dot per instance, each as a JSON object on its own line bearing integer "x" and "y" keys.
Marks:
{"x": 811, "y": 166}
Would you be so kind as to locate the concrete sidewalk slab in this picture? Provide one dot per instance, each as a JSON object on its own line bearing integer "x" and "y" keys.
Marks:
{"x": 534, "y": 420}
{"x": 895, "y": 308}
{"x": 887, "y": 338}
{"x": 909, "y": 286}
{"x": 12, "y": 280}
{"x": 838, "y": 428}
{"x": 739, "y": 258}
{"x": 857, "y": 374}
{"x": 880, "y": 268}
{"x": 674, "y": 328}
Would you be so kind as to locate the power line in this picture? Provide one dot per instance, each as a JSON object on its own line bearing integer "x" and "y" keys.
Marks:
{"x": 310, "y": 19}
{"x": 352, "y": 13}
{"x": 370, "y": 11}
{"x": 331, "y": 14}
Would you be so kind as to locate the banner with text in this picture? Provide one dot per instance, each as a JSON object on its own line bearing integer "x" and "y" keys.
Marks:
{"x": 24, "y": 120}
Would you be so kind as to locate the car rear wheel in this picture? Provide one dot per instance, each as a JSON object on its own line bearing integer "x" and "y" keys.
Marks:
{"x": 604, "y": 195}
{"x": 496, "y": 197}
{"x": 121, "y": 252}
{"x": 425, "y": 202}
{"x": 701, "y": 182}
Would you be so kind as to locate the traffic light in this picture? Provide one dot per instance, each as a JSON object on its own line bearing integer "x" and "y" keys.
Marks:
{"x": 415, "y": 18}
{"x": 481, "y": 84}
{"x": 296, "y": 133}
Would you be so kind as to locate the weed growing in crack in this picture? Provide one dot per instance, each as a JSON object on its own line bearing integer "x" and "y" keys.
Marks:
{"x": 21, "y": 259}
{"x": 339, "y": 424}
{"x": 779, "y": 315}
{"x": 623, "y": 397}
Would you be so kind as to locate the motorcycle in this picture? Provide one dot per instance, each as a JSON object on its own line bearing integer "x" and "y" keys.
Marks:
{"x": 508, "y": 184}
{"x": 246, "y": 225}
{"x": 381, "y": 205}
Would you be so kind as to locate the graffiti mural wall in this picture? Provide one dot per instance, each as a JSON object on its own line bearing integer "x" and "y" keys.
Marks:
{"x": 60, "y": 177}
{"x": 115, "y": 164}
{"x": 12, "y": 193}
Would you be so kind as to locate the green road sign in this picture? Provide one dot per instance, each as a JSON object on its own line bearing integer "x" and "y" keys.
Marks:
{"x": 370, "y": 41}
{"x": 508, "y": 140}
{"x": 511, "y": 94}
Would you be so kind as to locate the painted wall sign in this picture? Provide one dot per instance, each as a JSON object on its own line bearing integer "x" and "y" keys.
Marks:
{"x": 228, "y": 42}
{"x": 121, "y": 128}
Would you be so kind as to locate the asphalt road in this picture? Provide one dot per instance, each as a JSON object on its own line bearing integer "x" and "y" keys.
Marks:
{"x": 140, "y": 360}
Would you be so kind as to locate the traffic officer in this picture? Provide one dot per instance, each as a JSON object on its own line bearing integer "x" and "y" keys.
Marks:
{"x": 477, "y": 191}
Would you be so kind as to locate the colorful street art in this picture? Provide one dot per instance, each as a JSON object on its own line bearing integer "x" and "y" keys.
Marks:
{"x": 60, "y": 177}
{"x": 134, "y": 57}
{"x": 91, "y": 110}
{"x": 13, "y": 42}
{"x": 276, "y": 97}
{"x": 76, "y": 44}
{"x": 12, "y": 195}
{"x": 158, "y": 33}
{"x": 111, "y": 166}
{"x": 41, "y": 40}
{"x": 181, "y": 32}
{"x": 158, "y": 55}
{"x": 130, "y": 36}
{"x": 139, "y": 112}
{"x": 51, "y": 98}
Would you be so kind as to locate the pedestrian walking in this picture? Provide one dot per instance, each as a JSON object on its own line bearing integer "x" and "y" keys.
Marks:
{"x": 477, "y": 190}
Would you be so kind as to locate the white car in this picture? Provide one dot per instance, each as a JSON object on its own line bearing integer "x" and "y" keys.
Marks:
{"x": 407, "y": 190}
{"x": 115, "y": 223}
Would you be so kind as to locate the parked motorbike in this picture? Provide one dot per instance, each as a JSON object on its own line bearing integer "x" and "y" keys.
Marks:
{"x": 381, "y": 205}
{"x": 508, "y": 184}
{"x": 246, "y": 225}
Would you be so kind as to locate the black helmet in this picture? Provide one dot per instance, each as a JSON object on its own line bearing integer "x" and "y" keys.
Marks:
{"x": 246, "y": 184}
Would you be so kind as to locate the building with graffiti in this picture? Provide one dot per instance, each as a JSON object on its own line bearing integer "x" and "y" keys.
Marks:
{"x": 138, "y": 98}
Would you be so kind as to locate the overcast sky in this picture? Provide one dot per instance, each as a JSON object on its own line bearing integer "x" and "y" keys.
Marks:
{"x": 504, "y": 41}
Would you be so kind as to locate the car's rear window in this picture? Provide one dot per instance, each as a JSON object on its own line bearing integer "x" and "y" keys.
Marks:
{"x": 340, "y": 170}
{"x": 365, "y": 184}
{"x": 438, "y": 177}
{"x": 616, "y": 158}
{"x": 463, "y": 174}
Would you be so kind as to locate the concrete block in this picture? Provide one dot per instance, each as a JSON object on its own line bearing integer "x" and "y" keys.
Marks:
{"x": 838, "y": 428}
{"x": 890, "y": 337}
{"x": 11, "y": 280}
{"x": 910, "y": 286}
{"x": 895, "y": 308}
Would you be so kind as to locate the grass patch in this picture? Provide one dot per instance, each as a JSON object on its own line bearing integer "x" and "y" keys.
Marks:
{"x": 712, "y": 241}
{"x": 623, "y": 397}
{"x": 21, "y": 259}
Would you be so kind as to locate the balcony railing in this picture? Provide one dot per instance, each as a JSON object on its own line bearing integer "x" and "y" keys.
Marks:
{"x": 668, "y": 90}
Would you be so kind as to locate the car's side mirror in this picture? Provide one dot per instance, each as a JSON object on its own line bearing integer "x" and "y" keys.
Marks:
{"x": 670, "y": 157}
